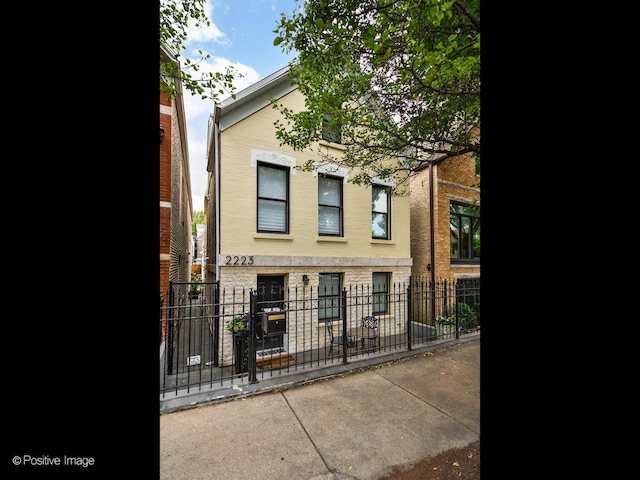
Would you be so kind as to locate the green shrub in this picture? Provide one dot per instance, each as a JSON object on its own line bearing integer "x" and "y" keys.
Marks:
{"x": 467, "y": 317}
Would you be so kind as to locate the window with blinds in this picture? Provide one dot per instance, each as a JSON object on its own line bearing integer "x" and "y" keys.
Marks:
{"x": 273, "y": 198}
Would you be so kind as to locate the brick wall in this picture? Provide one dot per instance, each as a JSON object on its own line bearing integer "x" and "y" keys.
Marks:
{"x": 453, "y": 180}
{"x": 165, "y": 193}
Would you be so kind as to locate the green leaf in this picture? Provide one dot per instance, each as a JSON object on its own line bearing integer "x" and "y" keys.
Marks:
{"x": 405, "y": 80}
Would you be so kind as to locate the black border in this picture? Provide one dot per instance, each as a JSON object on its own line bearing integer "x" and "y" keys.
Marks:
{"x": 81, "y": 367}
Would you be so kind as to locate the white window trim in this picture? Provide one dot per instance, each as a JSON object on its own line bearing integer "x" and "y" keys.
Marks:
{"x": 330, "y": 169}
{"x": 274, "y": 158}
{"x": 389, "y": 182}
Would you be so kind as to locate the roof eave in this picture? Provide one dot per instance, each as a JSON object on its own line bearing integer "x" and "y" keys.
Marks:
{"x": 254, "y": 97}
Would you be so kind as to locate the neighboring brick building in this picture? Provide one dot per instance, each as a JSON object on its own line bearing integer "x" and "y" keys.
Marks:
{"x": 445, "y": 239}
{"x": 176, "y": 209}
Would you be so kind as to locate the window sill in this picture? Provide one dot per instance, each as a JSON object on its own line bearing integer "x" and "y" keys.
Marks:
{"x": 464, "y": 263}
{"x": 383, "y": 242}
{"x": 332, "y": 239}
{"x": 326, "y": 143}
{"x": 273, "y": 236}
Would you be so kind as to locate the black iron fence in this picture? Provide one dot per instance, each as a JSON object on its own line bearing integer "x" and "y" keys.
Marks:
{"x": 216, "y": 337}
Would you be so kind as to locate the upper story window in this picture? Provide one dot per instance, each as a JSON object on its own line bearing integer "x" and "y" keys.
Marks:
{"x": 464, "y": 223}
{"x": 380, "y": 208}
{"x": 330, "y": 129}
{"x": 330, "y": 206}
{"x": 273, "y": 198}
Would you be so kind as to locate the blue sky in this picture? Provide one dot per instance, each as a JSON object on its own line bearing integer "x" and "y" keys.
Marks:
{"x": 241, "y": 35}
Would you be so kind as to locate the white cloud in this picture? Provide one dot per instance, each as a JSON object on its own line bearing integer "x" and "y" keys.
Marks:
{"x": 210, "y": 33}
{"x": 205, "y": 34}
{"x": 197, "y": 111}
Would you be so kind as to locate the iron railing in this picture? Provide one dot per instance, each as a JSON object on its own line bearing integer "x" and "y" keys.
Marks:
{"x": 199, "y": 352}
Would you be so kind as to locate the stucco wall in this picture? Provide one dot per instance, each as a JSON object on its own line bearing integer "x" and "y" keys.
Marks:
{"x": 255, "y": 136}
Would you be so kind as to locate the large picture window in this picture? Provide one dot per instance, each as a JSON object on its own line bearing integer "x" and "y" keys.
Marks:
{"x": 330, "y": 206}
{"x": 273, "y": 198}
{"x": 380, "y": 208}
{"x": 464, "y": 223}
{"x": 329, "y": 296}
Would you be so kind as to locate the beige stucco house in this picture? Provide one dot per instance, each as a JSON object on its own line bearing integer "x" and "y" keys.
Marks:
{"x": 278, "y": 228}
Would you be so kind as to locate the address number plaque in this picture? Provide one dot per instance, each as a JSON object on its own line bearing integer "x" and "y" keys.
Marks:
{"x": 237, "y": 260}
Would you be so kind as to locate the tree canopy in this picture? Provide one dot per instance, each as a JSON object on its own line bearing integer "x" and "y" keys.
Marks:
{"x": 198, "y": 218}
{"x": 397, "y": 79}
{"x": 175, "y": 17}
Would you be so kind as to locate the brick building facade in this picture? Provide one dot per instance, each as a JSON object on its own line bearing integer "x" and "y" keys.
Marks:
{"x": 176, "y": 209}
{"x": 440, "y": 184}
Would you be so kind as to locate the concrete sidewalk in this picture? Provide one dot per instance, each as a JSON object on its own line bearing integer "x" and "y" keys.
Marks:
{"x": 355, "y": 425}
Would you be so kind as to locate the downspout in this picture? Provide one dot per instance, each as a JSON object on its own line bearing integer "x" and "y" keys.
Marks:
{"x": 432, "y": 239}
{"x": 431, "y": 227}
{"x": 216, "y": 155}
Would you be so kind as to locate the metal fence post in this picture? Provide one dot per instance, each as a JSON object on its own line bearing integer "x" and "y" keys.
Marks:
{"x": 457, "y": 310}
{"x": 171, "y": 327}
{"x": 344, "y": 325}
{"x": 161, "y": 300}
{"x": 409, "y": 315}
{"x": 251, "y": 361}
{"x": 216, "y": 324}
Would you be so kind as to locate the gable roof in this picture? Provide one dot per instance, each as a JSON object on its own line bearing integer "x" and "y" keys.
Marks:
{"x": 254, "y": 97}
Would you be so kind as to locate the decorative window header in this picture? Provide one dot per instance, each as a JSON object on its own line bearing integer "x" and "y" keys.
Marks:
{"x": 272, "y": 157}
{"x": 329, "y": 169}
{"x": 389, "y": 182}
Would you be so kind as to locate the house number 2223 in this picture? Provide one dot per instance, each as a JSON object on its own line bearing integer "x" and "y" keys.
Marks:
{"x": 238, "y": 260}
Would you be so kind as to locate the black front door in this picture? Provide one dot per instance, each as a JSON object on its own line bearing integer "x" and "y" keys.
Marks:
{"x": 270, "y": 296}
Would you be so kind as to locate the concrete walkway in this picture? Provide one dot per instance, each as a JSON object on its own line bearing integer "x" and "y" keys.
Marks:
{"x": 361, "y": 424}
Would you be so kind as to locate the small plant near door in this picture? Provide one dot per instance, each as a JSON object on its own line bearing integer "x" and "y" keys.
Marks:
{"x": 239, "y": 327}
